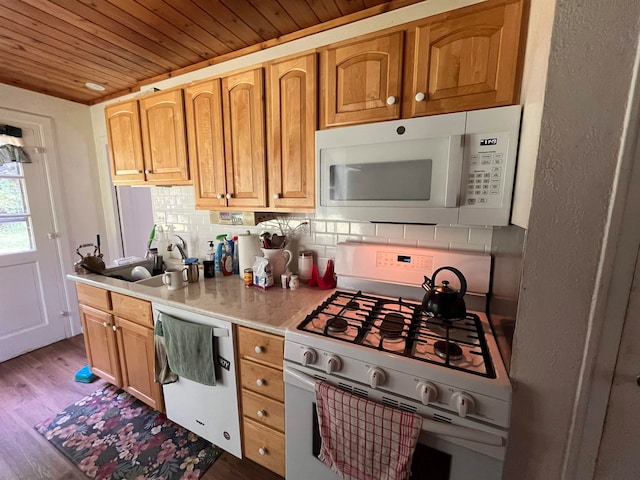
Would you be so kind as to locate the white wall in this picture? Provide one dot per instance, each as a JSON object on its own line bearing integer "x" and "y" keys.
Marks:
{"x": 78, "y": 175}
{"x": 591, "y": 70}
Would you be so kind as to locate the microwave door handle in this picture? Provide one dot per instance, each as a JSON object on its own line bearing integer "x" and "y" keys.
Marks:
{"x": 454, "y": 172}
{"x": 308, "y": 383}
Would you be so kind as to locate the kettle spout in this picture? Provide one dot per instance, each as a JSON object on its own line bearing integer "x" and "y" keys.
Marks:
{"x": 427, "y": 285}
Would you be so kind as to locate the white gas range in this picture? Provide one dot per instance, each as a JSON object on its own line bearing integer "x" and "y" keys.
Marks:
{"x": 372, "y": 338}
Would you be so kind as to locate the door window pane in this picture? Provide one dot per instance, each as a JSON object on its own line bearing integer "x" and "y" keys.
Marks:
{"x": 12, "y": 199}
{"x": 15, "y": 236}
{"x": 16, "y": 233}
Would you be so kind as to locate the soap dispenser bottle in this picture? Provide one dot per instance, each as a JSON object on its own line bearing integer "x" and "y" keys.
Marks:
{"x": 211, "y": 254}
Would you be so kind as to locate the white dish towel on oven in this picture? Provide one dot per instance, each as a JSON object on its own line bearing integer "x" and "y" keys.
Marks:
{"x": 365, "y": 440}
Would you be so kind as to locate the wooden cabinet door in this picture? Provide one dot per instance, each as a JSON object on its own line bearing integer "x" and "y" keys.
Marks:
{"x": 137, "y": 361}
{"x": 244, "y": 126}
{"x": 466, "y": 61}
{"x": 164, "y": 138}
{"x": 125, "y": 142}
{"x": 361, "y": 82}
{"x": 100, "y": 342}
{"x": 292, "y": 93}
{"x": 203, "y": 104}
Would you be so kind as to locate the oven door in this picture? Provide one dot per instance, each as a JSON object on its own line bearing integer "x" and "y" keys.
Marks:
{"x": 436, "y": 456}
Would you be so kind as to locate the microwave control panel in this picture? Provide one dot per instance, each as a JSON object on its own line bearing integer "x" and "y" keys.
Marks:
{"x": 485, "y": 170}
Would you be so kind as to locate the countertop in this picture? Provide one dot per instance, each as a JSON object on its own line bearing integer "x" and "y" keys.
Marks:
{"x": 227, "y": 298}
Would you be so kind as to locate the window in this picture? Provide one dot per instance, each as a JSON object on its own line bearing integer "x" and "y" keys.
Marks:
{"x": 16, "y": 232}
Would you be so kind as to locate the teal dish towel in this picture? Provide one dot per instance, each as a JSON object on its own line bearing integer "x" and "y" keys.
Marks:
{"x": 190, "y": 349}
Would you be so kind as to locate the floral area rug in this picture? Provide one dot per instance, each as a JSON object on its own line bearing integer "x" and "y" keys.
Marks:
{"x": 112, "y": 435}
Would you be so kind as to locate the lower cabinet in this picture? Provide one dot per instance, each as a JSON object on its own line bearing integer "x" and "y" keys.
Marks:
{"x": 262, "y": 385}
{"x": 118, "y": 335}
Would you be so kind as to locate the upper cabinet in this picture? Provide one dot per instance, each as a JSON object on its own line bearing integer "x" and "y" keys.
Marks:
{"x": 291, "y": 126}
{"x": 203, "y": 104}
{"x": 244, "y": 139}
{"x": 147, "y": 140}
{"x": 465, "y": 61}
{"x": 361, "y": 81}
{"x": 125, "y": 142}
{"x": 225, "y": 125}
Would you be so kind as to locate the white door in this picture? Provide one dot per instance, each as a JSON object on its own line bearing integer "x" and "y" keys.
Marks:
{"x": 618, "y": 457}
{"x": 32, "y": 300}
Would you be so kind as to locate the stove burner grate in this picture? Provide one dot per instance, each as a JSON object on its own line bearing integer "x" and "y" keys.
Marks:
{"x": 448, "y": 350}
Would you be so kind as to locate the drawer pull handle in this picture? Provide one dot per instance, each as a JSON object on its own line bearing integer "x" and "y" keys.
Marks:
{"x": 262, "y": 451}
{"x": 260, "y": 382}
{"x": 262, "y": 413}
{"x": 259, "y": 349}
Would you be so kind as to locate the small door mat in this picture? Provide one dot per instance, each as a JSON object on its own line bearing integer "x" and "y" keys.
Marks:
{"x": 112, "y": 435}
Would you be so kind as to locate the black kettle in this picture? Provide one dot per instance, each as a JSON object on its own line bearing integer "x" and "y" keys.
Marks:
{"x": 442, "y": 301}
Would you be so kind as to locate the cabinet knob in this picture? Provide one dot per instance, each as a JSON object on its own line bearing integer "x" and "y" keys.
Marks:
{"x": 262, "y": 413}
{"x": 276, "y": 196}
{"x": 105, "y": 324}
{"x": 420, "y": 96}
{"x": 148, "y": 171}
{"x": 262, "y": 451}
{"x": 391, "y": 100}
{"x": 259, "y": 349}
{"x": 260, "y": 382}
{"x": 115, "y": 329}
{"x": 219, "y": 196}
{"x": 228, "y": 195}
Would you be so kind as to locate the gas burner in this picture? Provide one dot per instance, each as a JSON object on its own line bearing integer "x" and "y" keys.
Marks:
{"x": 448, "y": 350}
{"x": 337, "y": 325}
{"x": 352, "y": 305}
{"x": 392, "y": 325}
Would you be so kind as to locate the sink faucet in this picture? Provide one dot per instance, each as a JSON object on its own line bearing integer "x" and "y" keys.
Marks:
{"x": 182, "y": 247}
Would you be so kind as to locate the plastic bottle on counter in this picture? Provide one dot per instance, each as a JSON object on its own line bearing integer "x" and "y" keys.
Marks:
{"x": 162, "y": 242}
{"x": 218, "y": 254}
{"x": 236, "y": 257}
{"x": 226, "y": 258}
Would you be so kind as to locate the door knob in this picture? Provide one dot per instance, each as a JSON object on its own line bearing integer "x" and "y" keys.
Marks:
{"x": 228, "y": 195}
{"x": 420, "y": 97}
{"x": 391, "y": 100}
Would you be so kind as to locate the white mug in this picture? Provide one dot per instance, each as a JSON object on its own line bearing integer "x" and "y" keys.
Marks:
{"x": 175, "y": 278}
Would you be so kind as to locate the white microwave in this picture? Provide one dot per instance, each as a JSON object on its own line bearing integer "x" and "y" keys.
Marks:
{"x": 456, "y": 168}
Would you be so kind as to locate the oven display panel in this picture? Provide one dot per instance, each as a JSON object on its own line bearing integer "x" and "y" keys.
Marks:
{"x": 404, "y": 262}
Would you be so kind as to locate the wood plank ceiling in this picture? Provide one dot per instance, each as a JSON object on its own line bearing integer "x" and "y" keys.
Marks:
{"x": 57, "y": 46}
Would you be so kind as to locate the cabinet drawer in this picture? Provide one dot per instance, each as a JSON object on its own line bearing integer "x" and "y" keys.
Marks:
{"x": 264, "y": 446}
{"x": 272, "y": 411}
{"x": 133, "y": 309}
{"x": 262, "y": 379}
{"x": 94, "y": 296}
{"x": 261, "y": 347}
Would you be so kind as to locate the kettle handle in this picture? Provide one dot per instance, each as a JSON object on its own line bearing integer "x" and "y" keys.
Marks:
{"x": 463, "y": 281}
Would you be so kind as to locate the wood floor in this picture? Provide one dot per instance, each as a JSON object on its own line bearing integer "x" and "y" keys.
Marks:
{"x": 40, "y": 384}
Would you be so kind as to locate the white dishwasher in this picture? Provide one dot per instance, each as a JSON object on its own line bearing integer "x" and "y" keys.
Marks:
{"x": 210, "y": 411}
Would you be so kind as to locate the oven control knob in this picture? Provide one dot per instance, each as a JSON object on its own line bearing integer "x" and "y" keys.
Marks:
{"x": 428, "y": 392}
{"x": 377, "y": 377}
{"x": 463, "y": 403}
{"x": 309, "y": 357}
{"x": 333, "y": 364}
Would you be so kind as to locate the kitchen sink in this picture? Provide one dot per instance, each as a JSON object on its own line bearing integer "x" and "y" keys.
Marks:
{"x": 151, "y": 282}
{"x": 126, "y": 272}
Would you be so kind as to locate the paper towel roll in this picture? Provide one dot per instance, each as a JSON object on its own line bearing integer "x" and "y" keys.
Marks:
{"x": 248, "y": 249}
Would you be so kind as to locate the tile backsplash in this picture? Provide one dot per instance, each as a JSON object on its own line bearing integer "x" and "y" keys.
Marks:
{"x": 175, "y": 208}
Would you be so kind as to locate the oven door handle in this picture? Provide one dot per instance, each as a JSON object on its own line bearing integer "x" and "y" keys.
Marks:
{"x": 304, "y": 381}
